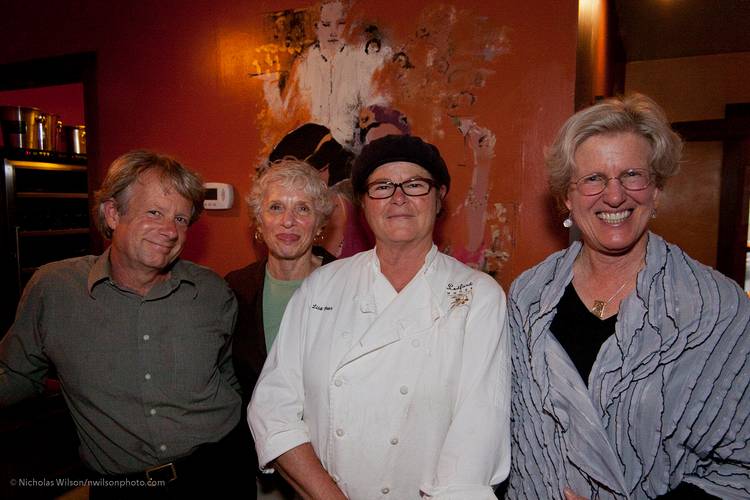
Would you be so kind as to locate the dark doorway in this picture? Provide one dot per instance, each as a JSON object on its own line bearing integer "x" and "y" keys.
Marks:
{"x": 40, "y": 74}
{"x": 734, "y": 202}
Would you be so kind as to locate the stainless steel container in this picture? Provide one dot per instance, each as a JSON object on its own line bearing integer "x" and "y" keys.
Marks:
{"x": 73, "y": 139}
{"x": 29, "y": 128}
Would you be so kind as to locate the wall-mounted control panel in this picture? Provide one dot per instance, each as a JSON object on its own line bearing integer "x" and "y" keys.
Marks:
{"x": 219, "y": 196}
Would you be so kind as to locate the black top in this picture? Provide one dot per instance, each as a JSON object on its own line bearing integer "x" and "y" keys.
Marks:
{"x": 582, "y": 334}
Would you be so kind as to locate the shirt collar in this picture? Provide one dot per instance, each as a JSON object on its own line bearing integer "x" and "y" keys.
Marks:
{"x": 101, "y": 272}
{"x": 429, "y": 258}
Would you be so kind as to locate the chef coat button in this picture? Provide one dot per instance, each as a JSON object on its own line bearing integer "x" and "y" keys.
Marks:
{"x": 404, "y": 389}
{"x": 394, "y": 441}
{"x": 415, "y": 343}
{"x": 339, "y": 432}
{"x": 385, "y": 490}
{"x": 338, "y": 382}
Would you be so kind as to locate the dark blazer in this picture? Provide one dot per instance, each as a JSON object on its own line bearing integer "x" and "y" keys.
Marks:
{"x": 249, "y": 342}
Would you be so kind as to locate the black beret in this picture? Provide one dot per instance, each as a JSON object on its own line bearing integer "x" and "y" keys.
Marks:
{"x": 392, "y": 148}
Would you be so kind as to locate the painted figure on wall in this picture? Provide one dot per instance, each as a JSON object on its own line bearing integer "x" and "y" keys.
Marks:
{"x": 361, "y": 80}
{"x": 436, "y": 76}
{"x": 330, "y": 82}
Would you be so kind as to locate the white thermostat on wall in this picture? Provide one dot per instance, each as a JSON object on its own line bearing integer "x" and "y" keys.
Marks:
{"x": 219, "y": 196}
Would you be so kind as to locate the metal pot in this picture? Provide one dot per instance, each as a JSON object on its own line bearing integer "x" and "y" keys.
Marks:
{"x": 29, "y": 128}
{"x": 73, "y": 139}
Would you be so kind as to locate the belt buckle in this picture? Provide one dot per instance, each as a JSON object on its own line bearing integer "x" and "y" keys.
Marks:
{"x": 155, "y": 473}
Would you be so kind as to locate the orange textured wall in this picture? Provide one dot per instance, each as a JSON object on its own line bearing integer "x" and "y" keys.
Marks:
{"x": 167, "y": 79}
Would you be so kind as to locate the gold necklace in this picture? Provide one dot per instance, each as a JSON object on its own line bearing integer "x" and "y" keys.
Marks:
{"x": 600, "y": 305}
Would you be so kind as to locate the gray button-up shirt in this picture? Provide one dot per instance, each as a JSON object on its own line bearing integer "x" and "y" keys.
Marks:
{"x": 147, "y": 379}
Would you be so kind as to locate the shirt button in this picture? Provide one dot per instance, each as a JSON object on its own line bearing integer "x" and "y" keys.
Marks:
{"x": 415, "y": 343}
{"x": 339, "y": 432}
{"x": 147, "y": 376}
{"x": 338, "y": 382}
{"x": 404, "y": 389}
{"x": 152, "y": 411}
{"x": 163, "y": 447}
{"x": 385, "y": 490}
{"x": 335, "y": 478}
{"x": 394, "y": 441}
{"x": 146, "y": 337}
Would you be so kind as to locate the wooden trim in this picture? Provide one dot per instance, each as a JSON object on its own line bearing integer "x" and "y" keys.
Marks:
{"x": 701, "y": 130}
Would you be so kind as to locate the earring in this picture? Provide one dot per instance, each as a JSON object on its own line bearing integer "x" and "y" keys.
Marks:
{"x": 258, "y": 235}
{"x": 653, "y": 213}
{"x": 568, "y": 222}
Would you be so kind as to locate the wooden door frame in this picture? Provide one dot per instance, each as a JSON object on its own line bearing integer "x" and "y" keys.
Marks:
{"x": 46, "y": 72}
{"x": 734, "y": 199}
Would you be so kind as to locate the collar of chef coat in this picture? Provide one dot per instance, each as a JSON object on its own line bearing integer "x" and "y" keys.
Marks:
{"x": 396, "y": 315}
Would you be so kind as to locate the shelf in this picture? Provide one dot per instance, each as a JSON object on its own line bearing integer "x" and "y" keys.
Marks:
{"x": 54, "y": 232}
{"x": 39, "y": 165}
{"x": 52, "y": 195}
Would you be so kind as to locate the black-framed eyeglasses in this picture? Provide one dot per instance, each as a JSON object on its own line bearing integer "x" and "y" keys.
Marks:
{"x": 634, "y": 179}
{"x": 416, "y": 186}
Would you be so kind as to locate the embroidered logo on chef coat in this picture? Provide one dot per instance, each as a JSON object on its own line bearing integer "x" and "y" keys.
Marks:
{"x": 460, "y": 293}
{"x": 322, "y": 308}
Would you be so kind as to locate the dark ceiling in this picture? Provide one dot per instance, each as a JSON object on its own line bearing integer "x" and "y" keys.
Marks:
{"x": 662, "y": 29}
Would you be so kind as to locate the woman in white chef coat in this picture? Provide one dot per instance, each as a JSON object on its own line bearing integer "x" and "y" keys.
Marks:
{"x": 390, "y": 374}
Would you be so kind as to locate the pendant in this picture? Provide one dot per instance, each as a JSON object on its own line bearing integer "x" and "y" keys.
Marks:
{"x": 598, "y": 308}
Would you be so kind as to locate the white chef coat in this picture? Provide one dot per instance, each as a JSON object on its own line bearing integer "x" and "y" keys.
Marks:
{"x": 396, "y": 392}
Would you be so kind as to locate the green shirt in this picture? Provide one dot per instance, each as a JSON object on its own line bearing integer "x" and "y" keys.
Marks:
{"x": 146, "y": 379}
{"x": 276, "y": 295}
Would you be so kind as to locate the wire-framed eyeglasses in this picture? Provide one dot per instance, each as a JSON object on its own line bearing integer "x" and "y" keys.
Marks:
{"x": 416, "y": 186}
{"x": 634, "y": 179}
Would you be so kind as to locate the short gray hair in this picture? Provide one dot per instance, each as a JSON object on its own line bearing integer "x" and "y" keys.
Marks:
{"x": 291, "y": 173}
{"x": 634, "y": 113}
{"x": 126, "y": 170}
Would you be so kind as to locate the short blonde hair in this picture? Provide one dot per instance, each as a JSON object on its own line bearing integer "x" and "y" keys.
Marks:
{"x": 635, "y": 113}
{"x": 291, "y": 173}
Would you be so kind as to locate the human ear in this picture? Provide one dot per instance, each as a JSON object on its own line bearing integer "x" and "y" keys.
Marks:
{"x": 567, "y": 202}
{"x": 656, "y": 197}
{"x": 440, "y": 197}
{"x": 111, "y": 213}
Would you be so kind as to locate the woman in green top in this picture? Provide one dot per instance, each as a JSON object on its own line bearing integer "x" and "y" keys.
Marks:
{"x": 290, "y": 205}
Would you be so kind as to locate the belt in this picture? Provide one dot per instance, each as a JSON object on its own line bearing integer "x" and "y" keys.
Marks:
{"x": 182, "y": 467}
{"x": 165, "y": 472}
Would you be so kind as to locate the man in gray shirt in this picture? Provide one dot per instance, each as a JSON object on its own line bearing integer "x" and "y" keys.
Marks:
{"x": 140, "y": 341}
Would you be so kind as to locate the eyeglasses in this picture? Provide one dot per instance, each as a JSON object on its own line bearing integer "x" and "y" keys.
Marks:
{"x": 416, "y": 186}
{"x": 635, "y": 179}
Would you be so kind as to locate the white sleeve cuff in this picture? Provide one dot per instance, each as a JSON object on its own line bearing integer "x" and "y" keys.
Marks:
{"x": 277, "y": 445}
